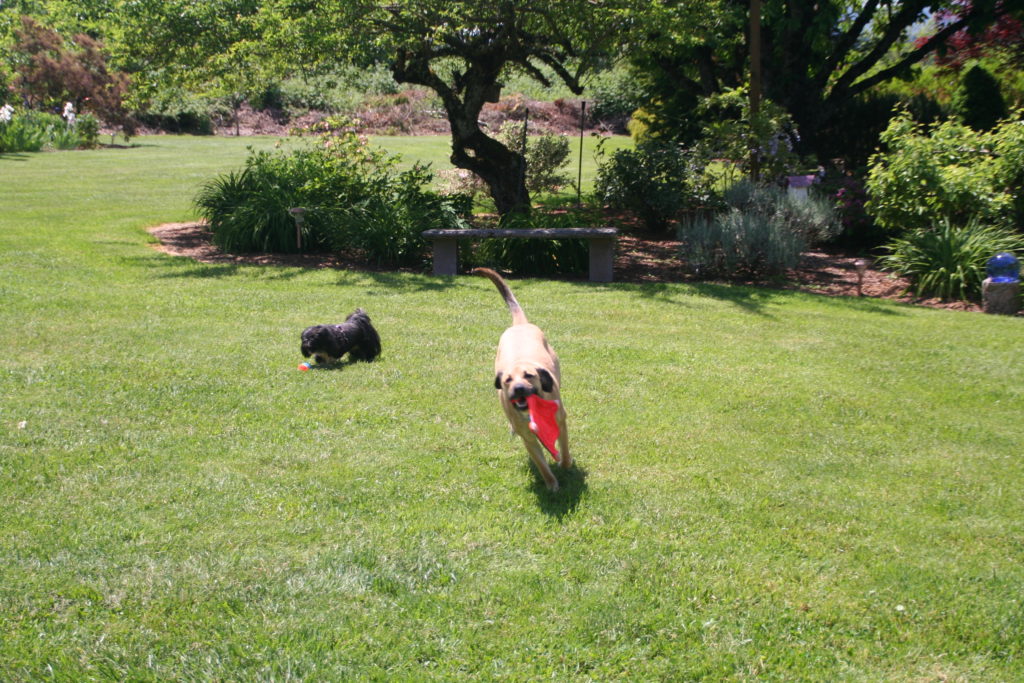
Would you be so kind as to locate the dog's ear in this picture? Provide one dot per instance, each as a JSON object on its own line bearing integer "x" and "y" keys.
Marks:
{"x": 497, "y": 381}
{"x": 547, "y": 382}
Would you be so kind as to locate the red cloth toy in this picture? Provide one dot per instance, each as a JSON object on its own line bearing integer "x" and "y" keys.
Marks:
{"x": 543, "y": 423}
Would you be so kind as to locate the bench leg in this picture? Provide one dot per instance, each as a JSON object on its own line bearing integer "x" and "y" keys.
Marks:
{"x": 602, "y": 258}
{"x": 446, "y": 256}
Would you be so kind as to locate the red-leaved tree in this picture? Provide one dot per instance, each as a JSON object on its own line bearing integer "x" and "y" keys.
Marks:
{"x": 52, "y": 71}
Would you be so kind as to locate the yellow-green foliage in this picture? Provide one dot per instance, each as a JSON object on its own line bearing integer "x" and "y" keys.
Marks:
{"x": 947, "y": 171}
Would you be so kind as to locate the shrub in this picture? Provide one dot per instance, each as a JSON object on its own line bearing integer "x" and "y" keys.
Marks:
{"x": 19, "y": 133}
{"x": 545, "y": 156}
{"x": 848, "y": 197}
{"x": 949, "y": 261}
{"x": 52, "y": 71}
{"x": 762, "y": 232}
{"x": 655, "y": 181}
{"x": 34, "y": 131}
{"x": 946, "y": 172}
{"x": 538, "y": 257}
{"x": 387, "y": 224}
{"x": 732, "y": 133}
{"x": 1008, "y": 146}
{"x": 354, "y": 199}
{"x": 978, "y": 101}
{"x": 248, "y": 211}
{"x": 813, "y": 218}
{"x": 88, "y": 128}
{"x": 738, "y": 242}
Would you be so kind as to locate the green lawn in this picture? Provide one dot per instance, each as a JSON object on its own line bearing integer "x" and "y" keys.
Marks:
{"x": 771, "y": 485}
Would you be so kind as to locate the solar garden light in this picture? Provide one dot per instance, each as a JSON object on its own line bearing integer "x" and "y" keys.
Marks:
{"x": 299, "y": 214}
{"x": 1000, "y": 291}
{"x": 862, "y": 266}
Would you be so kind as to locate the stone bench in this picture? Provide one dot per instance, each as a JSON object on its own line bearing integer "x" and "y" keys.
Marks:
{"x": 601, "y": 242}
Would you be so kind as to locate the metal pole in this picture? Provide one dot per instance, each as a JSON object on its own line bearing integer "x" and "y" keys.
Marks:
{"x": 579, "y": 175}
{"x": 526, "y": 125}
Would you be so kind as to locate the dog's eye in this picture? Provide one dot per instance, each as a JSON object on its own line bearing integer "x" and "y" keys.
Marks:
{"x": 529, "y": 375}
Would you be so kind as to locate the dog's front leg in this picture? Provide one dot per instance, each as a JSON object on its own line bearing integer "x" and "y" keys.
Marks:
{"x": 564, "y": 459}
{"x": 540, "y": 460}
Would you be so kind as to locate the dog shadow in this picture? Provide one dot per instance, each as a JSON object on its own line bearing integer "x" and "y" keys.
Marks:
{"x": 572, "y": 486}
{"x": 336, "y": 365}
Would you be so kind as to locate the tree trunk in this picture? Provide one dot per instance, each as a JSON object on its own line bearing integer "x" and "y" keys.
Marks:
{"x": 502, "y": 169}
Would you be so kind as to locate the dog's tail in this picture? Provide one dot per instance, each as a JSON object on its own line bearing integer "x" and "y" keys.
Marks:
{"x": 518, "y": 317}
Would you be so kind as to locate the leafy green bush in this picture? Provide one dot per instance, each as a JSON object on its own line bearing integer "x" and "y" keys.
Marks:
{"x": 34, "y": 131}
{"x": 352, "y": 196}
{"x": 388, "y": 222}
{"x": 545, "y": 154}
{"x": 19, "y": 133}
{"x": 762, "y": 232}
{"x": 733, "y": 133}
{"x": 949, "y": 261}
{"x": 88, "y": 129}
{"x": 655, "y": 181}
{"x": 537, "y": 257}
{"x": 948, "y": 171}
{"x": 248, "y": 211}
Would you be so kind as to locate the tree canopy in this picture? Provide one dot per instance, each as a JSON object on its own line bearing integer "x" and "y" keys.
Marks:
{"x": 460, "y": 50}
{"x": 818, "y": 57}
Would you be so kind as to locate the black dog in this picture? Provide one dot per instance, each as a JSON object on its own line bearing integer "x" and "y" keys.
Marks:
{"x": 356, "y": 337}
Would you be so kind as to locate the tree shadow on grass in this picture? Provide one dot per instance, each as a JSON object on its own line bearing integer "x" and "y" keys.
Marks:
{"x": 752, "y": 299}
{"x": 563, "y": 502}
{"x": 184, "y": 267}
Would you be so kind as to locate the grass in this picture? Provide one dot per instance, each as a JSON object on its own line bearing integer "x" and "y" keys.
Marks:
{"x": 771, "y": 485}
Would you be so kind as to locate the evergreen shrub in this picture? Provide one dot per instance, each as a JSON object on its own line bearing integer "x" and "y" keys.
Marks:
{"x": 978, "y": 100}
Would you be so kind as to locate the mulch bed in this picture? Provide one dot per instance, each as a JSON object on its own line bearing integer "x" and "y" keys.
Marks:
{"x": 638, "y": 260}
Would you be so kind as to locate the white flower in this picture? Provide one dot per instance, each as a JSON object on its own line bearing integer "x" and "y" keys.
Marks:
{"x": 6, "y": 113}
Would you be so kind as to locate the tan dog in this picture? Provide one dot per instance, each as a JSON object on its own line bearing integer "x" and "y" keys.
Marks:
{"x": 526, "y": 364}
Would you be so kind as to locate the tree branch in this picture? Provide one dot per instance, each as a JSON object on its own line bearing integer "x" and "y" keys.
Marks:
{"x": 846, "y": 43}
{"x": 897, "y": 25}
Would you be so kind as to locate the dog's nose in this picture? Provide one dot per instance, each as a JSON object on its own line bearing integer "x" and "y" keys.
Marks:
{"x": 521, "y": 390}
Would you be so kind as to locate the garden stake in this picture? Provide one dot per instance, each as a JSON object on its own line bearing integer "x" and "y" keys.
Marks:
{"x": 299, "y": 214}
